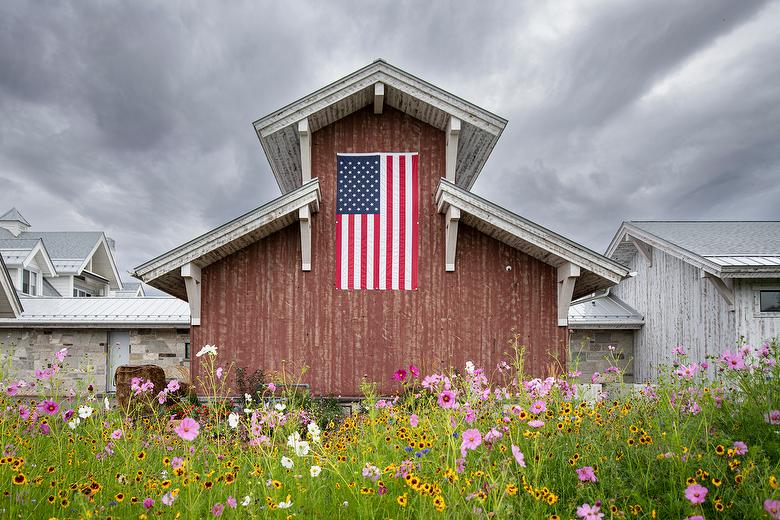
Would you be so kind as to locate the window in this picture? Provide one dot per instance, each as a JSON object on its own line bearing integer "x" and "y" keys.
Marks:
{"x": 770, "y": 301}
{"x": 81, "y": 293}
{"x": 30, "y": 282}
{"x": 186, "y": 350}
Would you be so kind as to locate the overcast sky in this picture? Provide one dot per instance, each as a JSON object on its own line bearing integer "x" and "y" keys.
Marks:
{"x": 135, "y": 118}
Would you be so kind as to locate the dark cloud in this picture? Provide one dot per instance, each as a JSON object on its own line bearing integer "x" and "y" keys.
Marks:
{"x": 135, "y": 117}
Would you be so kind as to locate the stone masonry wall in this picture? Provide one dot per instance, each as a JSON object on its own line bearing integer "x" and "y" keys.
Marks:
{"x": 22, "y": 351}
{"x": 589, "y": 352}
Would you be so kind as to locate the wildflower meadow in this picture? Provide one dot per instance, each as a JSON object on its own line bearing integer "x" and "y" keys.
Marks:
{"x": 701, "y": 442}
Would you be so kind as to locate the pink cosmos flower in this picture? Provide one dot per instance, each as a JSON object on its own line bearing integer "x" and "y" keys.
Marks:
{"x": 219, "y": 372}
{"x": 271, "y": 387}
{"x": 733, "y": 361}
{"x": 60, "y": 354}
{"x": 414, "y": 420}
{"x": 518, "y": 455}
{"x": 586, "y": 474}
{"x": 538, "y": 407}
{"x": 740, "y": 448}
{"x": 695, "y": 517}
{"x": 168, "y": 499}
{"x": 148, "y": 503}
{"x": 68, "y": 414}
{"x": 471, "y": 439}
{"x": 231, "y": 502}
{"x": 536, "y": 423}
{"x": 217, "y": 509}
{"x": 24, "y": 412}
{"x": 45, "y": 429}
{"x": 400, "y": 375}
{"x": 590, "y": 512}
{"x": 187, "y": 429}
{"x": 12, "y": 389}
{"x": 414, "y": 370}
{"x": 447, "y": 399}
{"x": 162, "y": 396}
{"x": 173, "y": 385}
{"x": 116, "y": 434}
{"x": 773, "y": 417}
{"x": 593, "y": 379}
{"x": 177, "y": 462}
{"x": 696, "y": 493}
{"x": 48, "y": 407}
{"x": 773, "y": 508}
{"x": 687, "y": 371}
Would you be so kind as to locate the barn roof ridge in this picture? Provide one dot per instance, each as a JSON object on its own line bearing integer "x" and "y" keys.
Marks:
{"x": 279, "y": 136}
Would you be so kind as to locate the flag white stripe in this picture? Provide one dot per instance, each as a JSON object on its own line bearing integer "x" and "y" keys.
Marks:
{"x": 356, "y": 251}
{"x": 382, "y": 222}
{"x": 369, "y": 251}
{"x": 344, "y": 251}
{"x": 408, "y": 227}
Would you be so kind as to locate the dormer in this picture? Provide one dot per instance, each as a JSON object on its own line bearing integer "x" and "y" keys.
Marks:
{"x": 14, "y": 222}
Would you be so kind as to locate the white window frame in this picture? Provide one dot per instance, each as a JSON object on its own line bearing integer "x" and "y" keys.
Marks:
{"x": 757, "y": 313}
{"x": 86, "y": 294}
{"x": 38, "y": 281}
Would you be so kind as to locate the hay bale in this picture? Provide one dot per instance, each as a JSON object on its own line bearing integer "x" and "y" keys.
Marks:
{"x": 123, "y": 379}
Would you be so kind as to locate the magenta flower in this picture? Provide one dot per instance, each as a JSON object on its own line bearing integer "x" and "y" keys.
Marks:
{"x": 593, "y": 379}
{"x": 24, "y": 412}
{"x": 148, "y": 503}
{"x": 590, "y": 512}
{"x": 538, "y": 407}
{"x": 414, "y": 420}
{"x": 447, "y": 399}
{"x": 12, "y": 389}
{"x": 187, "y": 429}
{"x": 271, "y": 387}
{"x": 773, "y": 417}
{"x": 696, "y": 493}
{"x": 173, "y": 385}
{"x": 586, "y": 474}
{"x": 45, "y": 429}
{"x": 48, "y": 407}
{"x": 116, "y": 434}
{"x": 68, "y": 414}
{"x": 733, "y": 361}
{"x": 414, "y": 370}
{"x": 60, "y": 354}
{"x": 217, "y": 509}
{"x": 518, "y": 455}
{"x": 740, "y": 448}
{"x": 471, "y": 440}
{"x": 231, "y": 502}
{"x": 219, "y": 373}
{"x": 400, "y": 375}
{"x": 773, "y": 508}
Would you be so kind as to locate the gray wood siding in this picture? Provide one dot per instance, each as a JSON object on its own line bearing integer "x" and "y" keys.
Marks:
{"x": 750, "y": 323}
{"x": 680, "y": 308}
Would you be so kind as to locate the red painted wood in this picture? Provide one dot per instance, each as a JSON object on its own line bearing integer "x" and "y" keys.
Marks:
{"x": 262, "y": 310}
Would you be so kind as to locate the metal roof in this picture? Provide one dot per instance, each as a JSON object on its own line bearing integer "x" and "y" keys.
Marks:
{"x": 14, "y": 215}
{"x": 97, "y": 312}
{"x": 745, "y": 260}
{"x": 718, "y": 238}
{"x": 10, "y": 304}
{"x": 604, "y": 311}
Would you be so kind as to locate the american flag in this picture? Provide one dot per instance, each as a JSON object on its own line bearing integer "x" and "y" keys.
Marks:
{"x": 376, "y": 221}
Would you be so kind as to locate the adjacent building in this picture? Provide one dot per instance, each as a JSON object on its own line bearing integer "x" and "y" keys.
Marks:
{"x": 703, "y": 285}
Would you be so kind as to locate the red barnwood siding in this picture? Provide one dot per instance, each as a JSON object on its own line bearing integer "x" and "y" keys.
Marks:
{"x": 261, "y": 309}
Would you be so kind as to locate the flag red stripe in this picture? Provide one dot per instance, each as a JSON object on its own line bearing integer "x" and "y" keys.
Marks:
{"x": 415, "y": 221}
{"x": 389, "y": 226}
{"x": 351, "y": 249}
{"x": 402, "y": 222}
{"x": 338, "y": 251}
{"x": 363, "y": 248}
{"x": 376, "y": 252}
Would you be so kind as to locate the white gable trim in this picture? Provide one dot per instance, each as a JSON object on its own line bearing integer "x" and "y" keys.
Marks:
{"x": 40, "y": 251}
{"x": 117, "y": 282}
{"x": 9, "y": 291}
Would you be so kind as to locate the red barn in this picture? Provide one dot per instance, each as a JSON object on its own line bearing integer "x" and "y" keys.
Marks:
{"x": 359, "y": 293}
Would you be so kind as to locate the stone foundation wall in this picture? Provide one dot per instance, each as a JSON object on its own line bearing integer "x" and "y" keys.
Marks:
{"x": 23, "y": 351}
{"x": 589, "y": 352}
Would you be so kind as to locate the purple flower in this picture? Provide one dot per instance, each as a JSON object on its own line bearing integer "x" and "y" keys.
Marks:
{"x": 696, "y": 493}
{"x": 740, "y": 448}
{"x": 773, "y": 417}
{"x": 518, "y": 455}
{"x": 217, "y": 509}
{"x": 173, "y": 385}
{"x": 590, "y": 512}
{"x": 68, "y": 414}
{"x": 148, "y": 503}
{"x": 116, "y": 434}
{"x": 414, "y": 420}
{"x": 168, "y": 499}
{"x": 231, "y": 502}
{"x": 586, "y": 474}
{"x": 447, "y": 399}
{"x": 773, "y": 508}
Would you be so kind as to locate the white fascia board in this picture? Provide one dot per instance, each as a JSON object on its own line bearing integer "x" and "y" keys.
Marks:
{"x": 527, "y": 231}
{"x": 664, "y": 245}
{"x": 307, "y": 195}
{"x": 40, "y": 248}
{"x": 8, "y": 287}
{"x": 102, "y": 241}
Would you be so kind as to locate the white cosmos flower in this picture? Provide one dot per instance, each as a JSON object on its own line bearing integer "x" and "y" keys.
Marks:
{"x": 287, "y": 462}
{"x": 314, "y": 431}
{"x": 85, "y": 412}
{"x": 106, "y": 403}
{"x": 233, "y": 420}
{"x": 247, "y": 500}
{"x": 248, "y": 398}
{"x": 314, "y": 471}
{"x": 74, "y": 423}
{"x": 302, "y": 448}
{"x": 469, "y": 367}
{"x": 287, "y": 503}
{"x": 280, "y": 407}
{"x": 207, "y": 349}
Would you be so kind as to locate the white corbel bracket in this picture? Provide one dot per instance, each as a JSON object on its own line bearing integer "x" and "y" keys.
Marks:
{"x": 191, "y": 274}
{"x": 567, "y": 277}
{"x": 451, "y": 153}
{"x": 725, "y": 287}
{"x": 304, "y": 218}
{"x": 305, "y": 137}
{"x": 646, "y": 250}
{"x": 452, "y": 218}
{"x": 379, "y": 97}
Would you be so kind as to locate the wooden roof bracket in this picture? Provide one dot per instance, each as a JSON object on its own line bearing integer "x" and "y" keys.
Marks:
{"x": 451, "y": 219}
{"x": 452, "y": 133}
{"x": 724, "y": 286}
{"x": 191, "y": 274}
{"x": 305, "y": 137}
{"x": 645, "y": 249}
{"x": 379, "y": 97}
{"x": 304, "y": 219}
{"x": 567, "y": 277}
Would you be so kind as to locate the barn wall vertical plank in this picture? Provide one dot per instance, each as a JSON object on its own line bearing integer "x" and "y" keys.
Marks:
{"x": 260, "y": 308}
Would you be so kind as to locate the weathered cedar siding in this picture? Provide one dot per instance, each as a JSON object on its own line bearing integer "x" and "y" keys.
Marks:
{"x": 260, "y": 308}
